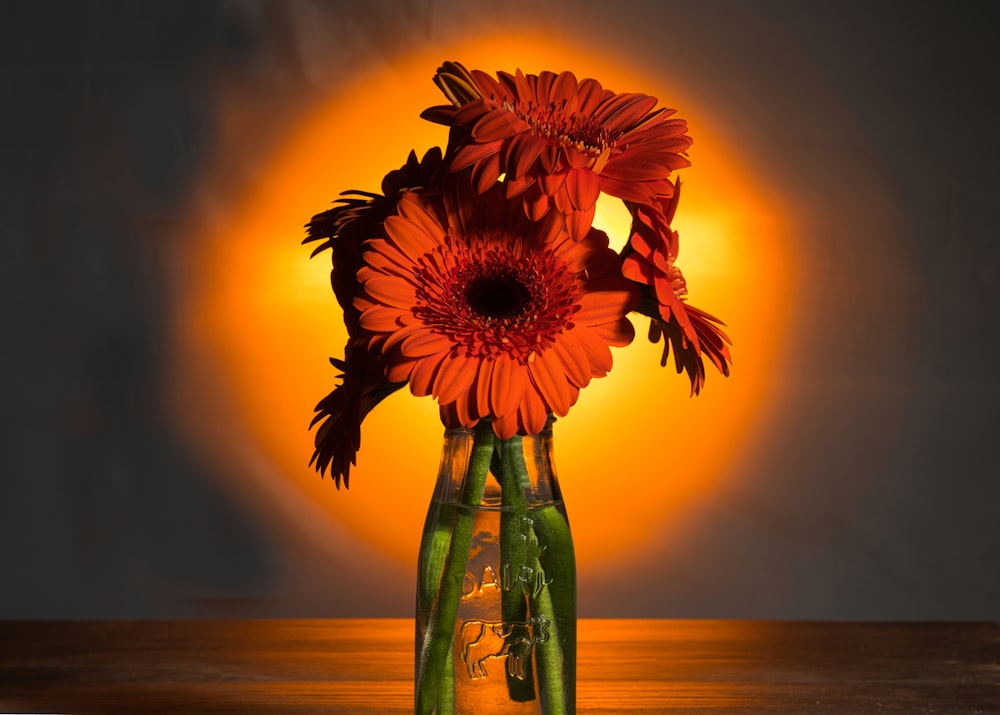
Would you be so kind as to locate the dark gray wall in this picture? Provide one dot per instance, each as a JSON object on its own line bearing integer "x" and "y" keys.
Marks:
{"x": 109, "y": 116}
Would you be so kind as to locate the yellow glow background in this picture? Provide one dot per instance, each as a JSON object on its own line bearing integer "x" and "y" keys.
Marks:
{"x": 257, "y": 321}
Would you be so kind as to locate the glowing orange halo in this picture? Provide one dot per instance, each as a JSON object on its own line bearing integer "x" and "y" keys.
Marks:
{"x": 263, "y": 315}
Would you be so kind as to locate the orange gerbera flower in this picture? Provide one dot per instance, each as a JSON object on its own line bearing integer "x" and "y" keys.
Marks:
{"x": 493, "y": 315}
{"x": 557, "y": 141}
{"x": 651, "y": 253}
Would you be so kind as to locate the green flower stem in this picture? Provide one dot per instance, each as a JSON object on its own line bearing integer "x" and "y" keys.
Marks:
{"x": 550, "y": 659}
{"x": 557, "y": 598}
{"x": 433, "y": 556}
{"x": 436, "y": 653}
{"x": 542, "y": 544}
{"x": 446, "y": 697}
{"x": 514, "y": 544}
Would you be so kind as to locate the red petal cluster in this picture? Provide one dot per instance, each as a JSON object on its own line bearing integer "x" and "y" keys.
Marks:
{"x": 476, "y": 276}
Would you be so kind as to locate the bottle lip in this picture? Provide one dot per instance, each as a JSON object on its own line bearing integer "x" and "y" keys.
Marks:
{"x": 547, "y": 429}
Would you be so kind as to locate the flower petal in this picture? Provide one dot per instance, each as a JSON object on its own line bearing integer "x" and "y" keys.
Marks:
{"x": 454, "y": 378}
{"x": 486, "y": 173}
{"x": 597, "y": 352}
{"x": 376, "y": 319}
{"x": 384, "y": 257}
{"x": 583, "y": 187}
{"x": 421, "y": 214}
{"x": 400, "y": 371}
{"x": 606, "y": 306}
{"x": 404, "y": 331}
{"x": 425, "y": 342}
{"x": 636, "y": 192}
{"x": 392, "y": 291}
{"x": 409, "y": 238}
{"x": 638, "y": 269}
{"x": 508, "y": 385}
{"x": 484, "y": 381}
{"x": 564, "y": 88}
{"x": 536, "y": 203}
{"x": 423, "y": 373}
{"x": 522, "y": 152}
{"x": 579, "y": 223}
{"x": 498, "y": 124}
{"x": 574, "y": 359}
{"x": 551, "y": 183}
{"x": 637, "y": 166}
{"x": 551, "y": 381}
{"x": 589, "y": 96}
{"x": 618, "y": 334}
{"x": 462, "y": 413}
{"x": 622, "y": 110}
{"x": 470, "y": 154}
{"x": 506, "y": 426}
{"x": 532, "y": 414}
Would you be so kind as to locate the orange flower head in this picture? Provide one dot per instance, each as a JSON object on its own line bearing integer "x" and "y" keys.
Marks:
{"x": 558, "y": 141}
{"x": 493, "y": 315}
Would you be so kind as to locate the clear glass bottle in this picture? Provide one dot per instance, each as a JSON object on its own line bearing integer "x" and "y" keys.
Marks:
{"x": 496, "y": 582}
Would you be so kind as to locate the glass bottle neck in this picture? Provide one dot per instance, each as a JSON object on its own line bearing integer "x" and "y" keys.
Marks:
{"x": 521, "y": 464}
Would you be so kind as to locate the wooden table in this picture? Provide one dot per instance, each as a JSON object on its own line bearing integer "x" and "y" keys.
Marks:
{"x": 625, "y": 667}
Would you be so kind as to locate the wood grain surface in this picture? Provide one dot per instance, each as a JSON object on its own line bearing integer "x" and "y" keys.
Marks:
{"x": 624, "y": 667}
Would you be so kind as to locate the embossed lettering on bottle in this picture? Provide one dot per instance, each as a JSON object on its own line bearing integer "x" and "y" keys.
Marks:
{"x": 482, "y": 641}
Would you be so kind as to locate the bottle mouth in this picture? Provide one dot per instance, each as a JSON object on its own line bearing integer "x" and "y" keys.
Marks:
{"x": 459, "y": 431}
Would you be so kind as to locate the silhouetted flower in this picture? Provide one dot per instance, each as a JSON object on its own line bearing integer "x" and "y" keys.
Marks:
{"x": 344, "y": 230}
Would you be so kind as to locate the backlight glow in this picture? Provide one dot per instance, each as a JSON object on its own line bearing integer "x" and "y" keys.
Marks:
{"x": 257, "y": 320}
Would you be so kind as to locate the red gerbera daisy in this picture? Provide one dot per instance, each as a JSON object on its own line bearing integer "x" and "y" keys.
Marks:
{"x": 558, "y": 141}
{"x": 493, "y": 315}
{"x": 651, "y": 253}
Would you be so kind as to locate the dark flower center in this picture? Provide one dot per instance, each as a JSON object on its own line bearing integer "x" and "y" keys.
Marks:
{"x": 497, "y": 296}
{"x": 493, "y": 296}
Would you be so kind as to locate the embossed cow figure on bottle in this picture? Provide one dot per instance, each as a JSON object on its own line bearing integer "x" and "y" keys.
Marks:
{"x": 486, "y": 640}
